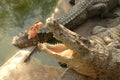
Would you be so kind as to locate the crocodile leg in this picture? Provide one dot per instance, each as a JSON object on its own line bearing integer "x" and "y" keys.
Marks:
{"x": 102, "y": 10}
{"x": 98, "y": 8}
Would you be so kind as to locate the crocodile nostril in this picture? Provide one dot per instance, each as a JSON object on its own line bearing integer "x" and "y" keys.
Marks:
{"x": 49, "y": 19}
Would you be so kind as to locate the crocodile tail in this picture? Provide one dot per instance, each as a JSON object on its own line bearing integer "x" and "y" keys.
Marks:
{"x": 75, "y": 13}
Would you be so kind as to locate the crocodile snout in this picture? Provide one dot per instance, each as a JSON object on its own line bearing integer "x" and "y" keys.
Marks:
{"x": 51, "y": 23}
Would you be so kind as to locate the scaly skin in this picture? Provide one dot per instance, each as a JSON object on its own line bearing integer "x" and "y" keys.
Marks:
{"x": 79, "y": 13}
{"x": 22, "y": 41}
{"x": 97, "y": 56}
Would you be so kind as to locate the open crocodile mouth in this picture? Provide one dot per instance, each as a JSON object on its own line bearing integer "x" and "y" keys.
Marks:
{"x": 67, "y": 56}
{"x": 59, "y": 50}
{"x": 70, "y": 52}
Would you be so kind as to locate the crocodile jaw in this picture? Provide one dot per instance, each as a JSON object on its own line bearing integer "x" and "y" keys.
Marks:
{"x": 69, "y": 38}
{"x": 57, "y": 50}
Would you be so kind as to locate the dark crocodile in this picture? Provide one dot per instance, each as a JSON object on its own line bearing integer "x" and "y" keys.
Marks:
{"x": 78, "y": 14}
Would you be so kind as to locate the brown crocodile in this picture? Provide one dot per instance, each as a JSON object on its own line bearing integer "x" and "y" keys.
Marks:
{"x": 78, "y": 14}
{"x": 94, "y": 58}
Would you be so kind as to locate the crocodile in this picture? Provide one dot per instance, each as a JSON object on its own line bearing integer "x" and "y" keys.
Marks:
{"x": 96, "y": 57}
{"x": 77, "y": 15}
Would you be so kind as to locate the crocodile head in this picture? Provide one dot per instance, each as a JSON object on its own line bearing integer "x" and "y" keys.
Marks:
{"x": 70, "y": 51}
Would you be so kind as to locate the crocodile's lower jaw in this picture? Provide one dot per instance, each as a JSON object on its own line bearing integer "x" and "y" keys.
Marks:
{"x": 56, "y": 49}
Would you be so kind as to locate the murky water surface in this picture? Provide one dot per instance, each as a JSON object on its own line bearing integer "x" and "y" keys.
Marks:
{"x": 18, "y": 15}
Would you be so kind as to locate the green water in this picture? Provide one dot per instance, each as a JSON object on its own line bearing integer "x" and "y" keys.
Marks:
{"x": 18, "y": 15}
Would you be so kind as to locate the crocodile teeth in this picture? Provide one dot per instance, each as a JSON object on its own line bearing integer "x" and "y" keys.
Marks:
{"x": 59, "y": 44}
